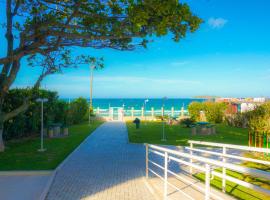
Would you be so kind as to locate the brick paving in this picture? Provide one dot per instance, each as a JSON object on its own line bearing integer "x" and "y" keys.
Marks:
{"x": 105, "y": 166}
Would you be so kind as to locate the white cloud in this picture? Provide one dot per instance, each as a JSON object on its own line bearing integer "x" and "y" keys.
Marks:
{"x": 216, "y": 23}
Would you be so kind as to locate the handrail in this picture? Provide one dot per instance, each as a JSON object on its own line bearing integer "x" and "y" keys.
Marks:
{"x": 231, "y": 146}
{"x": 207, "y": 162}
{"x": 264, "y": 162}
{"x": 167, "y": 157}
{"x": 241, "y": 169}
{"x": 225, "y": 155}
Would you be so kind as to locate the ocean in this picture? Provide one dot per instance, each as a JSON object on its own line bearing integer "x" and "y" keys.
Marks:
{"x": 138, "y": 103}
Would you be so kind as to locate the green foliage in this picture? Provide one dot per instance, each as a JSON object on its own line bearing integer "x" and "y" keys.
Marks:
{"x": 214, "y": 112}
{"x": 187, "y": 122}
{"x": 28, "y": 122}
{"x": 99, "y": 24}
{"x": 259, "y": 119}
{"x": 55, "y": 111}
{"x": 194, "y": 109}
{"x": 78, "y": 110}
{"x": 238, "y": 119}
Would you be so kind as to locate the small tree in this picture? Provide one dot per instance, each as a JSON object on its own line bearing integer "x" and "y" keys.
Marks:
{"x": 43, "y": 31}
{"x": 259, "y": 122}
{"x": 214, "y": 112}
{"x": 78, "y": 110}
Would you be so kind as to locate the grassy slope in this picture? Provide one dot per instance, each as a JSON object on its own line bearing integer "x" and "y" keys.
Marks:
{"x": 238, "y": 191}
{"x": 151, "y": 132}
{"x": 23, "y": 154}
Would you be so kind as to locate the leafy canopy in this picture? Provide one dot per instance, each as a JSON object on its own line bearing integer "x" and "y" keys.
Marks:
{"x": 48, "y": 26}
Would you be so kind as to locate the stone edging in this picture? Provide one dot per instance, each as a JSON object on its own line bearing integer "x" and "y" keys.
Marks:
{"x": 49, "y": 183}
{"x": 25, "y": 173}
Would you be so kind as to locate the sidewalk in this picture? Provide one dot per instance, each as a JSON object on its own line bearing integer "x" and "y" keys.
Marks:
{"x": 105, "y": 166}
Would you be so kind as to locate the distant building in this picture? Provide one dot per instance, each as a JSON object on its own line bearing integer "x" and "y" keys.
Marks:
{"x": 241, "y": 104}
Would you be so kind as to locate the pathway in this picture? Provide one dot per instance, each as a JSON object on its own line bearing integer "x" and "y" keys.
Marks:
{"x": 105, "y": 166}
{"x": 22, "y": 185}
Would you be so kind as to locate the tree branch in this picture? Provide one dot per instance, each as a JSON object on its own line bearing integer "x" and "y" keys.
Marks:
{"x": 18, "y": 2}
{"x": 17, "y": 111}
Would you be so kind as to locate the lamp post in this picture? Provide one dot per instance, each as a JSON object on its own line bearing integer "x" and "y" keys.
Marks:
{"x": 163, "y": 122}
{"x": 145, "y": 101}
{"x": 42, "y": 100}
{"x": 92, "y": 67}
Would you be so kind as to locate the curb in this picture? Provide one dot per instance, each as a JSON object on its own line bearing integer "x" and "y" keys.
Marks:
{"x": 49, "y": 183}
{"x": 25, "y": 173}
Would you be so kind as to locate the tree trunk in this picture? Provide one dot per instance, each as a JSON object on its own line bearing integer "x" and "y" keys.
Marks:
{"x": 2, "y": 146}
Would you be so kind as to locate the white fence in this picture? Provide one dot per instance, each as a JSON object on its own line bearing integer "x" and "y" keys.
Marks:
{"x": 139, "y": 112}
{"x": 206, "y": 165}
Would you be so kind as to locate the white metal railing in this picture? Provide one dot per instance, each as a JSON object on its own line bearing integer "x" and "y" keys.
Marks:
{"x": 206, "y": 165}
{"x": 224, "y": 155}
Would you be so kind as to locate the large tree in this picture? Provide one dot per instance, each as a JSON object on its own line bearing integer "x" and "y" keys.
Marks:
{"x": 43, "y": 31}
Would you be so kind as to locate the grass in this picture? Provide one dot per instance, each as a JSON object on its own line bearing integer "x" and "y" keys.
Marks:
{"x": 23, "y": 155}
{"x": 151, "y": 132}
{"x": 238, "y": 191}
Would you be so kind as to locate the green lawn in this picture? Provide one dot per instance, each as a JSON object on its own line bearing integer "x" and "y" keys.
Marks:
{"x": 23, "y": 155}
{"x": 238, "y": 191}
{"x": 151, "y": 132}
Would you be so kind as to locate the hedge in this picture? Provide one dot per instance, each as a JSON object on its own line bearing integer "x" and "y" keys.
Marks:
{"x": 55, "y": 111}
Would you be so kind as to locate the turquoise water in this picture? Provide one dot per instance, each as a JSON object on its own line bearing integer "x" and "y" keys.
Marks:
{"x": 138, "y": 103}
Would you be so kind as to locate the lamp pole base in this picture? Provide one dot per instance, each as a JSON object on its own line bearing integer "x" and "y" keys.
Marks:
{"x": 41, "y": 150}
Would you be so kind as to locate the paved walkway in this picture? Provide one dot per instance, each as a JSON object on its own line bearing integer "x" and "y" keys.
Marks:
{"x": 22, "y": 187}
{"x": 104, "y": 167}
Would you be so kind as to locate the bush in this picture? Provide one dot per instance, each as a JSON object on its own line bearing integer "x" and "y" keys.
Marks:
{"x": 55, "y": 111}
{"x": 238, "y": 120}
{"x": 194, "y": 110}
{"x": 78, "y": 110}
{"x": 187, "y": 122}
{"x": 259, "y": 119}
{"x": 27, "y": 123}
{"x": 214, "y": 112}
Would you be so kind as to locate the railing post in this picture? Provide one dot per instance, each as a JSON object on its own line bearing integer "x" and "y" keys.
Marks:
{"x": 146, "y": 160}
{"x": 190, "y": 160}
{"x": 207, "y": 182}
{"x": 132, "y": 112}
{"x": 223, "y": 170}
{"x": 165, "y": 175}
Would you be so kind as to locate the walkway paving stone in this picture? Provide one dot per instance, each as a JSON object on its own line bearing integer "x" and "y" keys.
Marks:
{"x": 105, "y": 166}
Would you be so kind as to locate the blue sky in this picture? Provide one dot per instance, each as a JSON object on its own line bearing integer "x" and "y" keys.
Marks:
{"x": 228, "y": 56}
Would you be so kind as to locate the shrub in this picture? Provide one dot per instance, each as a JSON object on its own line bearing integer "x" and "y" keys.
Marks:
{"x": 194, "y": 110}
{"x": 259, "y": 119}
{"x": 214, "y": 112}
{"x": 238, "y": 120}
{"x": 187, "y": 122}
{"x": 28, "y": 123}
{"x": 78, "y": 110}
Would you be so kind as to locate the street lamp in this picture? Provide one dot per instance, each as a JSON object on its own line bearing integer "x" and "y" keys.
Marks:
{"x": 163, "y": 122}
{"x": 92, "y": 67}
{"x": 42, "y": 100}
{"x": 145, "y": 101}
